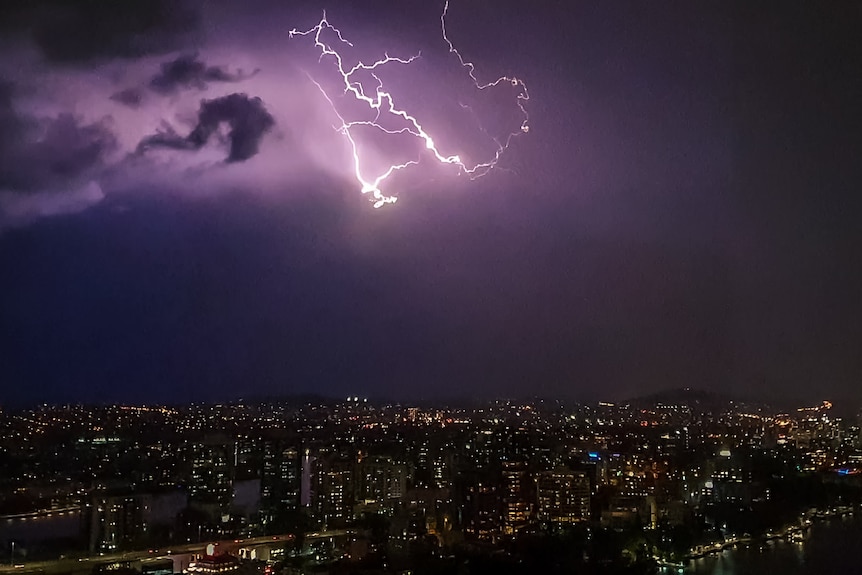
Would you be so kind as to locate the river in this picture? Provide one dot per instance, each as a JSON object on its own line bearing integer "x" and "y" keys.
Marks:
{"x": 45, "y": 526}
{"x": 830, "y": 547}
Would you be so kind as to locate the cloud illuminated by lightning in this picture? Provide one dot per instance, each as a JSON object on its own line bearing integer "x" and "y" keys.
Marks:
{"x": 383, "y": 102}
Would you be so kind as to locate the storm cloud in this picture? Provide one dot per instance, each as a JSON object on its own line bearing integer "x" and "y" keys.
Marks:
{"x": 131, "y": 97}
{"x": 38, "y": 153}
{"x": 48, "y": 165}
{"x": 187, "y": 71}
{"x": 81, "y": 32}
{"x": 247, "y": 118}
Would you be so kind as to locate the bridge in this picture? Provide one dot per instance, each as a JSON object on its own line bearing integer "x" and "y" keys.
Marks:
{"x": 78, "y": 564}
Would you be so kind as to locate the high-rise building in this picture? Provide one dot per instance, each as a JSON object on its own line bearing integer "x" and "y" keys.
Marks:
{"x": 280, "y": 477}
{"x": 479, "y": 505}
{"x": 211, "y": 480}
{"x": 124, "y": 521}
{"x": 563, "y": 496}
{"x": 333, "y": 502}
{"x": 517, "y": 506}
{"x": 380, "y": 481}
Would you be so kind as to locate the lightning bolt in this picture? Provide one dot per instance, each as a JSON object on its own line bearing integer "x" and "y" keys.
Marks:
{"x": 380, "y": 101}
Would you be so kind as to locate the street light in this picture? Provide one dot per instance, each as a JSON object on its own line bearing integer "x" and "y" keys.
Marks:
{"x": 12, "y": 556}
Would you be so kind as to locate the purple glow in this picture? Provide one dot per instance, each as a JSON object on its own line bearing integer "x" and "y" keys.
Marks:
{"x": 382, "y": 102}
{"x": 228, "y": 114}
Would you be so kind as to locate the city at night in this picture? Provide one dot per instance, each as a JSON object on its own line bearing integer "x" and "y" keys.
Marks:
{"x": 402, "y": 287}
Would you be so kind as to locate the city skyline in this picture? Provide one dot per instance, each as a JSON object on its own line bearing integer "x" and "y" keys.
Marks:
{"x": 352, "y": 484}
{"x": 180, "y": 219}
{"x": 843, "y": 407}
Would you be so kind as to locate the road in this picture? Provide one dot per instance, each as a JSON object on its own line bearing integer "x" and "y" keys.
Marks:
{"x": 79, "y": 564}
{"x": 85, "y": 564}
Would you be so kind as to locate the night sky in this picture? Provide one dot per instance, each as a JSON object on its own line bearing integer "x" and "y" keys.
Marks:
{"x": 179, "y": 220}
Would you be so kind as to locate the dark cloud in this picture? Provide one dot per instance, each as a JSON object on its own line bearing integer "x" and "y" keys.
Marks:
{"x": 167, "y": 137}
{"x": 131, "y": 97}
{"x": 188, "y": 71}
{"x": 247, "y": 118}
{"x": 48, "y": 165}
{"x": 79, "y": 32}
{"x": 46, "y": 153}
{"x": 9, "y": 121}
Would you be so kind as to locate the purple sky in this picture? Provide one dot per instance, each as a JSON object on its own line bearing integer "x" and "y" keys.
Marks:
{"x": 179, "y": 219}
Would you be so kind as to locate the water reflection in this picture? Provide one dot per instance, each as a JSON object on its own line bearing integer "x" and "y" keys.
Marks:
{"x": 830, "y": 547}
{"x": 42, "y": 527}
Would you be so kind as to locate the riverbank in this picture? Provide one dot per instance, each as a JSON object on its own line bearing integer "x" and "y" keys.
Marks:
{"x": 830, "y": 546}
{"x": 793, "y": 532}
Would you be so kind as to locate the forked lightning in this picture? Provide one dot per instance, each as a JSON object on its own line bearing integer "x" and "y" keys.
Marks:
{"x": 383, "y": 102}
